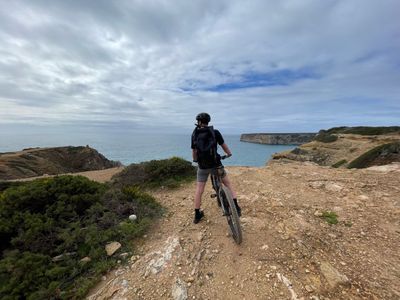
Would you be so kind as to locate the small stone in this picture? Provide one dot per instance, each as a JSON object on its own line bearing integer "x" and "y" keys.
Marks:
{"x": 125, "y": 283}
{"x": 309, "y": 289}
{"x": 200, "y": 236}
{"x": 318, "y": 214}
{"x": 259, "y": 268}
{"x": 265, "y": 247}
{"x": 124, "y": 255}
{"x": 307, "y": 271}
{"x": 111, "y": 248}
{"x": 333, "y": 187}
{"x": 86, "y": 259}
{"x": 179, "y": 291}
{"x": 132, "y": 218}
{"x": 274, "y": 267}
{"x": 332, "y": 276}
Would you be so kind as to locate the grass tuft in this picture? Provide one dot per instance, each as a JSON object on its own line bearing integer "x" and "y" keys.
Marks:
{"x": 330, "y": 217}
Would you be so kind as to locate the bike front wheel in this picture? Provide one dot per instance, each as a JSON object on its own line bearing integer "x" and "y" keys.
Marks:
{"x": 231, "y": 214}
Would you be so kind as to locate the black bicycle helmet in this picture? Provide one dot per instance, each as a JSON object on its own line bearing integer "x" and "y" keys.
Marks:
{"x": 203, "y": 118}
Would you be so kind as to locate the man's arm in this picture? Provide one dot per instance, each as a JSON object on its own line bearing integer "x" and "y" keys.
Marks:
{"x": 194, "y": 155}
{"x": 226, "y": 149}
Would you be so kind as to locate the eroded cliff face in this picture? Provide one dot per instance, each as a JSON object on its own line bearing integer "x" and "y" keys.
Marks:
{"x": 278, "y": 138}
{"x": 51, "y": 161}
{"x": 347, "y": 149}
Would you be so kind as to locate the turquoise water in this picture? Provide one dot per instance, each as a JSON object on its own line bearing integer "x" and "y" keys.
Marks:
{"x": 130, "y": 147}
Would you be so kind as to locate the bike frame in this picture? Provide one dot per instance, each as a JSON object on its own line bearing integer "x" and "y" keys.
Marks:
{"x": 225, "y": 201}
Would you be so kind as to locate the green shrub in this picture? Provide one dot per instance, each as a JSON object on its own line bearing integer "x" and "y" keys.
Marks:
{"x": 339, "y": 163}
{"x": 69, "y": 216}
{"x": 330, "y": 217}
{"x": 325, "y": 137}
{"x": 364, "y": 130}
{"x": 166, "y": 172}
{"x": 366, "y": 159}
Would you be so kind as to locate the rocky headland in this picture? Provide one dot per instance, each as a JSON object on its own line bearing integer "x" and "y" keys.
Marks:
{"x": 344, "y": 147}
{"x": 277, "y": 138}
{"x": 51, "y": 161}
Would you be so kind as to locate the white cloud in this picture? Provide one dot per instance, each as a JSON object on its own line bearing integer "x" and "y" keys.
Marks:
{"x": 129, "y": 62}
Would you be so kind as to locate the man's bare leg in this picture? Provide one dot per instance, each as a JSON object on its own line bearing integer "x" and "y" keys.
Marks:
{"x": 199, "y": 192}
{"x": 227, "y": 182}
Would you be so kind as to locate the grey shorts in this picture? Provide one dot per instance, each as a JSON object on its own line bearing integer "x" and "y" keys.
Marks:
{"x": 202, "y": 174}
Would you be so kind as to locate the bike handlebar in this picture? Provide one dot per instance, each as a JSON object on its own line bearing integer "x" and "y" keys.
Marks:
{"x": 222, "y": 157}
{"x": 225, "y": 156}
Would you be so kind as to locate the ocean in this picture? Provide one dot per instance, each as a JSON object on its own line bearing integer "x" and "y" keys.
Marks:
{"x": 133, "y": 147}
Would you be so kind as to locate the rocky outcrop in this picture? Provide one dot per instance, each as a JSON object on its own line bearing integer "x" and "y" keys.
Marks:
{"x": 347, "y": 150}
{"x": 40, "y": 161}
{"x": 277, "y": 138}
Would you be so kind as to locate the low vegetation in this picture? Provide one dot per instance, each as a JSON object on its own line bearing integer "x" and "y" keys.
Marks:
{"x": 364, "y": 130}
{"x": 339, "y": 163}
{"x": 156, "y": 173}
{"x": 48, "y": 226}
{"x": 330, "y": 217}
{"x": 325, "y": 137}
{"x": 53, "y": 231}
{"x": 379, "y": 155}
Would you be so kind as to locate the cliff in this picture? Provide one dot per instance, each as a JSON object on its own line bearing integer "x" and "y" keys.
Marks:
{"x": 39, "y": 161}
{"x": 347, "y": 150}
{"x": 277, "y": 138}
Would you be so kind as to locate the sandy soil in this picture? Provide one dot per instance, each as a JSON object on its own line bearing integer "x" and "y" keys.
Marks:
{"x": 288, "y": 252}
{"x": 99, "y": 175}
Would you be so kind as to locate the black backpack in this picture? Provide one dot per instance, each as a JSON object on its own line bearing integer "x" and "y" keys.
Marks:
{"x": 206, "y": 145}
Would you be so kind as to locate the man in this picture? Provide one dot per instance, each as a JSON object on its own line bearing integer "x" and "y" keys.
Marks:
{"x": 201, "y": 139}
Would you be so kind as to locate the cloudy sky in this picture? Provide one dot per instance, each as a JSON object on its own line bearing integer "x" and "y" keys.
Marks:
{"x": 255, "y": 66}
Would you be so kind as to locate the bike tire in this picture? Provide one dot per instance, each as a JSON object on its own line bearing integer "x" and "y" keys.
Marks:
{"x": 232, "y": 216}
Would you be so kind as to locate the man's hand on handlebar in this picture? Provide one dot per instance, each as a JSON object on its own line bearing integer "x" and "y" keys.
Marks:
{"x": 226, "y": 156}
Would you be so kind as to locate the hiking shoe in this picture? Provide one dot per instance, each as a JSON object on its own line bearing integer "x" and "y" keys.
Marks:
{"x": 198, "y": 217}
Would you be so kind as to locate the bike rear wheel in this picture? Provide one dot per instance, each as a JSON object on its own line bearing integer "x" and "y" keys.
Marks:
{"x": 232, "y": 214}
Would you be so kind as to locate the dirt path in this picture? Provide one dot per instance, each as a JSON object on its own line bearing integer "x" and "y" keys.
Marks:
{"x": 98, "y": 175}
{"x": 288, "y": 252}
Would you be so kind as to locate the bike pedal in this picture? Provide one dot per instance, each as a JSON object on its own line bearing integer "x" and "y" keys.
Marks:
{"x": 213, "y": 195}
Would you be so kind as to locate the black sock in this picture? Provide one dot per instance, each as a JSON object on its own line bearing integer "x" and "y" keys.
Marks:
{"x": 235, "y": 201}
{"x": 197, "y": 211}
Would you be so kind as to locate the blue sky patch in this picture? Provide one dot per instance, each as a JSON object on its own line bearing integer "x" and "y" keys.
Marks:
{"x": 258, "y": 79}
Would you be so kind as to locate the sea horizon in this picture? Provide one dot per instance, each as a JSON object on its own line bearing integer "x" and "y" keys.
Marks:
{"x": 135, "y": 147}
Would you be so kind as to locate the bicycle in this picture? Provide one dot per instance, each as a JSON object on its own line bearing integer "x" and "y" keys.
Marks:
{"x": 225, "y": 202}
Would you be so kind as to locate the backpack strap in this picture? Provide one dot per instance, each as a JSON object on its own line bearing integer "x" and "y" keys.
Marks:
{"x": 211, "y": 128}
{"x": 194, "y": 133}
